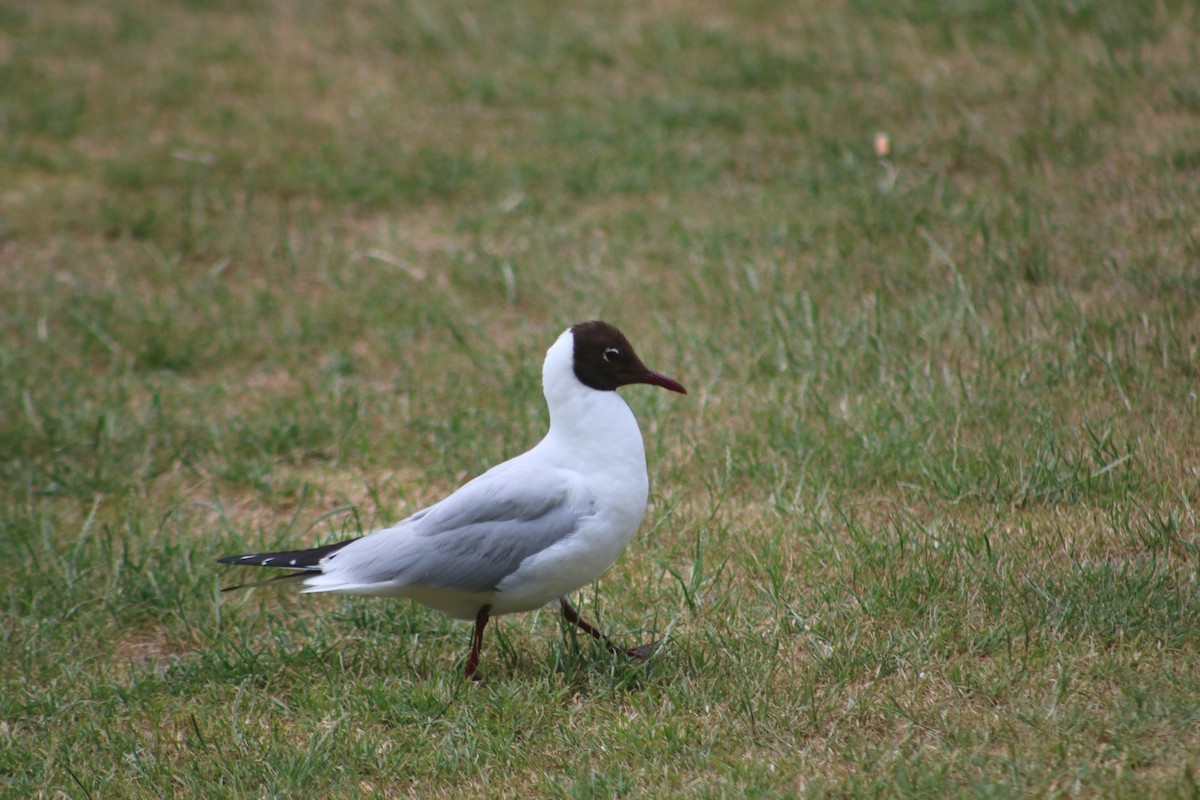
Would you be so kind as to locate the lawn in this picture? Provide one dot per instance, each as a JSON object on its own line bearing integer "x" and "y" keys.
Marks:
{"x": 927, "y": 523}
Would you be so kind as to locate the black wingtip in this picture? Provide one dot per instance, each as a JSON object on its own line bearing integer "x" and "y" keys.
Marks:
{"x": 309, "y": 559}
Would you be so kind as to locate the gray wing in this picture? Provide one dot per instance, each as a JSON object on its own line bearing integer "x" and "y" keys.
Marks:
{"x": 479, "y": 535}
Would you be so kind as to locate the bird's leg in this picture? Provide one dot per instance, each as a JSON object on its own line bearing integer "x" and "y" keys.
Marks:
{"x": 481, "y": 621}
{"x": 572, "y": 615}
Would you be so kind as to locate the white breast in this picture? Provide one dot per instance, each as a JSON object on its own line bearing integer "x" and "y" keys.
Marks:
{"x": 594, "y": 434}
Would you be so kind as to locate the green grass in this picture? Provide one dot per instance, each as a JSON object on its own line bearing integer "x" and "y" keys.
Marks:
{"x": 926, "y": 524}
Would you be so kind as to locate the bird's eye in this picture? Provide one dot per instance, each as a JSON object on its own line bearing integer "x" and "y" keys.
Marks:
{"x": 612, "y": 354}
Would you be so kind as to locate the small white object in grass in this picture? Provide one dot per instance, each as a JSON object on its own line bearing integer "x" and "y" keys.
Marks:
{"x": 387, "y": 258}
{"x": 194, "y": 156}
{"x": 883, "y": 144}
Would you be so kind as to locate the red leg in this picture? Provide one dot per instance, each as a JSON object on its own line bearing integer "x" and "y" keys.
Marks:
{"x": 481, "y": 621}
{"x": 572, "y": 615}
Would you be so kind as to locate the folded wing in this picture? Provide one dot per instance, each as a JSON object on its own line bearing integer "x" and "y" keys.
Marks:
{"x": 470, "y": 541}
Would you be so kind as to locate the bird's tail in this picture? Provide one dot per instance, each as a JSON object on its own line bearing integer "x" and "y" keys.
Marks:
{"x": 307, "y": 562}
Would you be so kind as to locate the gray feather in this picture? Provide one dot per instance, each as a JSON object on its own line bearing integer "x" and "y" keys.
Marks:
{"x": 475, "y": 538}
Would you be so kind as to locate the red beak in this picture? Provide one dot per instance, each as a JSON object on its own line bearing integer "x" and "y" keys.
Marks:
{"x": 658, "y": 379}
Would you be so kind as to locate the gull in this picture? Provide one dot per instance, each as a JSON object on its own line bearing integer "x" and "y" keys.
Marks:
{"x": 527, "y": 532}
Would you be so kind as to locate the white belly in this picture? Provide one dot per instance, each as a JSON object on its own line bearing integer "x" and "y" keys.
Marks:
{"x": 565, "y": 566}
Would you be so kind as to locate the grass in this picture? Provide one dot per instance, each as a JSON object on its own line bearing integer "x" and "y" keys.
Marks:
{"x": 925, "y": 526}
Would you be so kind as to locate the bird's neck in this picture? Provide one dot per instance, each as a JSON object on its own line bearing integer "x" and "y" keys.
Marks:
{"x": 587, "y": 426}
{"x": 596, "y": 425}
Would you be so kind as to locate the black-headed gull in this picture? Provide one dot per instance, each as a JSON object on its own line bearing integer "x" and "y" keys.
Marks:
{"x": 527, "y": 532}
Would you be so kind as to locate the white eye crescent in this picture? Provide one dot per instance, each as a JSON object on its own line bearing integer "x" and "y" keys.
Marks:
{"x": 611, "y": 354}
